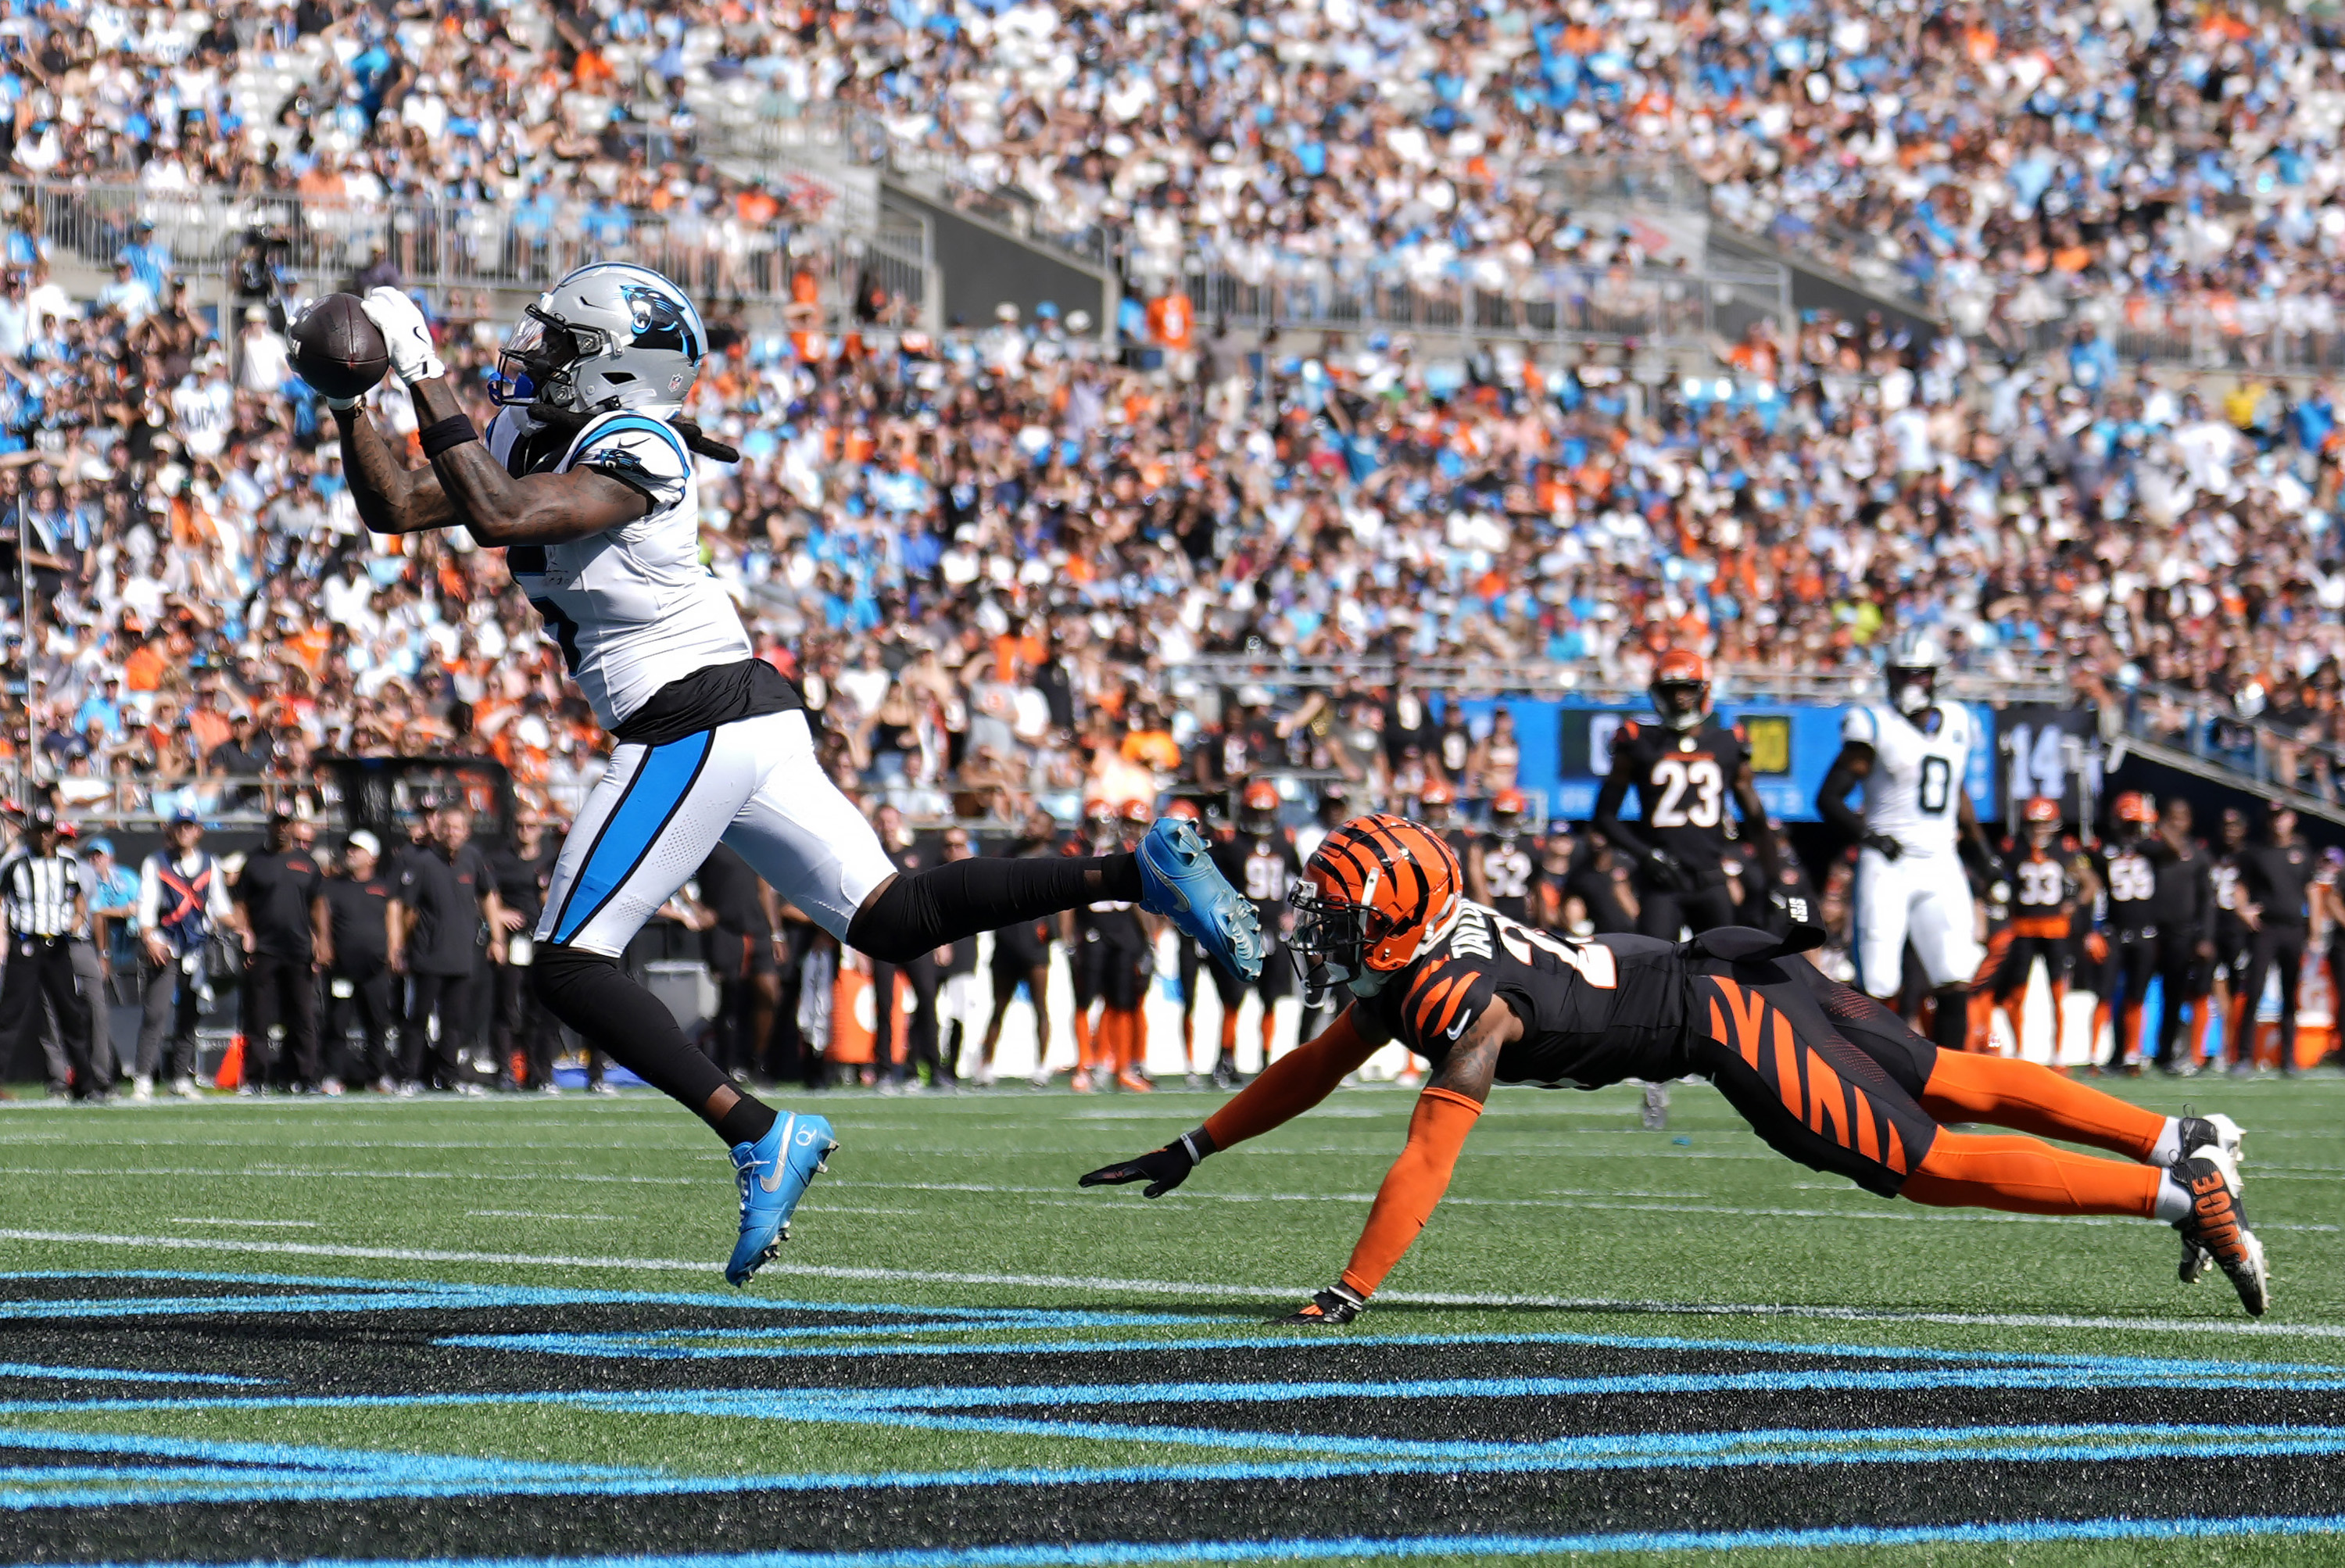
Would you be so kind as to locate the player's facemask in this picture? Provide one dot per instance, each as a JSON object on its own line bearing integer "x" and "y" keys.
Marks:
{"x": 1329, "y": 945}
{"x": 531, "y": 366}
{"x": 1681, "y": 704}
{"x": 1913, "y": 691}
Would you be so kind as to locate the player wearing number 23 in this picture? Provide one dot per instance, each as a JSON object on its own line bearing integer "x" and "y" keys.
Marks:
{"x": 1683, "y": 770}
{"x": 1912, "y": 754}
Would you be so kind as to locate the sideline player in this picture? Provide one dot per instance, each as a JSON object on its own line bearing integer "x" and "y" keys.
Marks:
{"x": 2232, "y": 938}
{"x": 2275, "y": 878}
{"x": 1260, "y": 861}
{"x": 1500, "y": 867}
{"x": 2184, "y": 911}
{"x": 1824, "y": 1074}
{"x": 585, "y": 479}
{"x": 2127, "y": 869}
{"x": 1683, "y": 770}
{"x": 2044, "y": 888}
{"x": 1912, "y": 756}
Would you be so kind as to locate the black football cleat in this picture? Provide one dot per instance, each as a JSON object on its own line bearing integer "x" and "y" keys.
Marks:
{"x": 2217, "y": 1227}
{"x": 1332, "y": 1308}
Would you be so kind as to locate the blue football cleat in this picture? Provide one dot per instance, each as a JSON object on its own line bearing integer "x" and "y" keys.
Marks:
{"x": 1179, "y": 881}
{"x": 773, "y": 1173}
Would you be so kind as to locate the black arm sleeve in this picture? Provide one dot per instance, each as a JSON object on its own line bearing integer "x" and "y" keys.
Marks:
{"x": 1607, "y": 817}
{"x": 1832, "y": 801}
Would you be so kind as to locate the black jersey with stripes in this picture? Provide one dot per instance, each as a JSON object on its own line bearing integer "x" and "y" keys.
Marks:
{"x": 1592, "y": 1013}
{"x": 1264, "y": 867}
{"x": 2128, "y": 874}
{"x": 1506, "y": 872}
{"x": 1684, "y": 785}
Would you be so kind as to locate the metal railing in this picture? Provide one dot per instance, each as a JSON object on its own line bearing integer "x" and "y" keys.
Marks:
{"x": 2001, "y": 679}
{"x": 451, "y": 244}
{"x": 1660, "y": 305}
{"x": 2210, "y": 729}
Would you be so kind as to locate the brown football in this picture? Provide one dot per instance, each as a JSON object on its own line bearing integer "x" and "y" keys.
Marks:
{"x": 337, "y": 350}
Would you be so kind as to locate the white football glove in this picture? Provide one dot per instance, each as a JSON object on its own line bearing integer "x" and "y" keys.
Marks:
{"x": 403, "y": 332}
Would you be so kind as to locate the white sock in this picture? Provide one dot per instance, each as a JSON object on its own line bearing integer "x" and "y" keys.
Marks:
{"x": 2173, "y": 1199}
{"x": 2168, "y": 1148}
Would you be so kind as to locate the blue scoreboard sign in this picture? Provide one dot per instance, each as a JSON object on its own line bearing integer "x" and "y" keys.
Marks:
{"x": 1567, "y": 746}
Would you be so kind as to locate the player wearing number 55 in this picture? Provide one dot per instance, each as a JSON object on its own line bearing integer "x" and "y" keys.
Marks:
{"x": 1682, "y": 769}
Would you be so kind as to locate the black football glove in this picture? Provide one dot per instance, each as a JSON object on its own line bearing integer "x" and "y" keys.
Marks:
{"x": 1665, "y": 870}
{"x": 1162, "y": 1169}
{"x": 1888, "y": 848}
{"x": 1332, "y": 1308}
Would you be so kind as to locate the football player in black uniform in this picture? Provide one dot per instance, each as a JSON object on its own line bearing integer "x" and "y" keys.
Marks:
{"x": 1683, "y": 770}
{"x": 1828, "y": 1076}
{"x": 2127, "y": 869}
{"x": 1260, "y": 861}
{"x": 1498, "y": 867}
{"x": 2184, "y": 912}
{"x": 2044, "y": 889}
{"x": 2228, "y": 972}
{"x": 2275, "y": 878}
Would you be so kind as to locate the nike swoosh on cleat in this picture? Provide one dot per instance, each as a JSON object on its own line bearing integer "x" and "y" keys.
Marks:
{"x": 776, "y": 1184}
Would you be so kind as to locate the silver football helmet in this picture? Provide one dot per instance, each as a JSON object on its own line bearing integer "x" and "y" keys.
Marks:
{"x": 609, "y": 335}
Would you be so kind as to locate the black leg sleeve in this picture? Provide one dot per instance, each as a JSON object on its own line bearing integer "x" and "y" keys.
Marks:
{"x": 927, "y": 908}
{"x": 635, "y": 1028}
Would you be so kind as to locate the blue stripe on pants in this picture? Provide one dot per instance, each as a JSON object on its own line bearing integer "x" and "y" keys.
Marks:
{"x": 651, "y": 798}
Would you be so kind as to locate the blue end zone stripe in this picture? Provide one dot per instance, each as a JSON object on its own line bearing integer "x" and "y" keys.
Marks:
{"x": 652, "y": 797}
{"x": 1292, "y": 1550}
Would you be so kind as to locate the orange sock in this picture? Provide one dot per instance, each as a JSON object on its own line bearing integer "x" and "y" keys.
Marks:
{"x": 1229, "y": 1035}
{"x": 2202, "y": 1025}
{"x": 2129, "y": 1040}
{"x": 2101, "y": 1021}
{"x": 1980, "y": 1036}
{"x": 1086, "y": 1049}
{"x": 2029, "y": 1098}
{"x": 1269, "y": 1028}
{"x": 2023, "y": 1176}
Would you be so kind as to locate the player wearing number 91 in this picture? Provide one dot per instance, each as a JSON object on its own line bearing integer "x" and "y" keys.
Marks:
{"x": 1827, "y": 1076}
{"x": 1912, "y": 756}
{"x": 1683, "y": 770}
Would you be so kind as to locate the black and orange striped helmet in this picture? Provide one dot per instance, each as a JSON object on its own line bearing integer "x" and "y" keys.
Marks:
{"x": 1370, "y": 896}
{"x": 2042, "y": 808}
{"x": 2135, "y": 807}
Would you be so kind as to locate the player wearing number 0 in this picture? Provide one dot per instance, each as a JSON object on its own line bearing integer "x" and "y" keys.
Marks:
{"x": 585, "y": 479}
{"x": 1912, "y": 756}
{"x": 1826, "y": 1075}
{"x": 1684, "y": 770}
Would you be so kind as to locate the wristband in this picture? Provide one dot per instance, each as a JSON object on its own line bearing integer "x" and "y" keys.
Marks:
{"x": 442, "y": 434}
{"x": 1199, "y": 1143}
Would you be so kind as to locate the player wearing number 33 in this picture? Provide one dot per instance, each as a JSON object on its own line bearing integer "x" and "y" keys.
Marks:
{"x": 585, "y": 479}
{"x": 1683, "y": 770}
{"x": 1912, "y": 755}
{"x": 1824, "y": 1074}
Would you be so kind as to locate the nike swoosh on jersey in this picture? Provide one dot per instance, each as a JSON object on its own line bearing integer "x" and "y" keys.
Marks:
{"x": 1459, "y": 1028}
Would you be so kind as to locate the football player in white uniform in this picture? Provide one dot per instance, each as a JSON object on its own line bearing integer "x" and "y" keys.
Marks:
{"x": 585, "y": 479}
{"x": 1912, "y": 756}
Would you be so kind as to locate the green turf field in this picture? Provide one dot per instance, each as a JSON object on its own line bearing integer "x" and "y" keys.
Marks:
{"x": 379, "y": 1330}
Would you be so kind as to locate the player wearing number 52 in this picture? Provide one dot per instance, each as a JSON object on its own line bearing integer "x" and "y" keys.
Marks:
{"x": 1912, "y": 756}
{"x": 1682, "y": 769}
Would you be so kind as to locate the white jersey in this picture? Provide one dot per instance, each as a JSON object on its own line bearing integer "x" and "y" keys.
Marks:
{"x": 632, "y": 607}
{"x": 1913, "y": 793}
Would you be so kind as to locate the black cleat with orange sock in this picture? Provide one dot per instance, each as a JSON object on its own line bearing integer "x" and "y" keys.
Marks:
{"x": 2216, "y": 1226}
{"x": 1330, "y": 1308}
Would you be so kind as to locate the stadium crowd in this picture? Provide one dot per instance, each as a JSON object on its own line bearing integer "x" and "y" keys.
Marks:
{"x": 988, "y": 555}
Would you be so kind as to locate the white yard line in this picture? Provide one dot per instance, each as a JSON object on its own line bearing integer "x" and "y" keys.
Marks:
{"x": 269, "y": 1224}
{"x": 1091, "y": 1283}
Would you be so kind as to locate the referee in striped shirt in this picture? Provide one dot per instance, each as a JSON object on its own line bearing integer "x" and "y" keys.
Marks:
{"x": 44, "y": 897}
